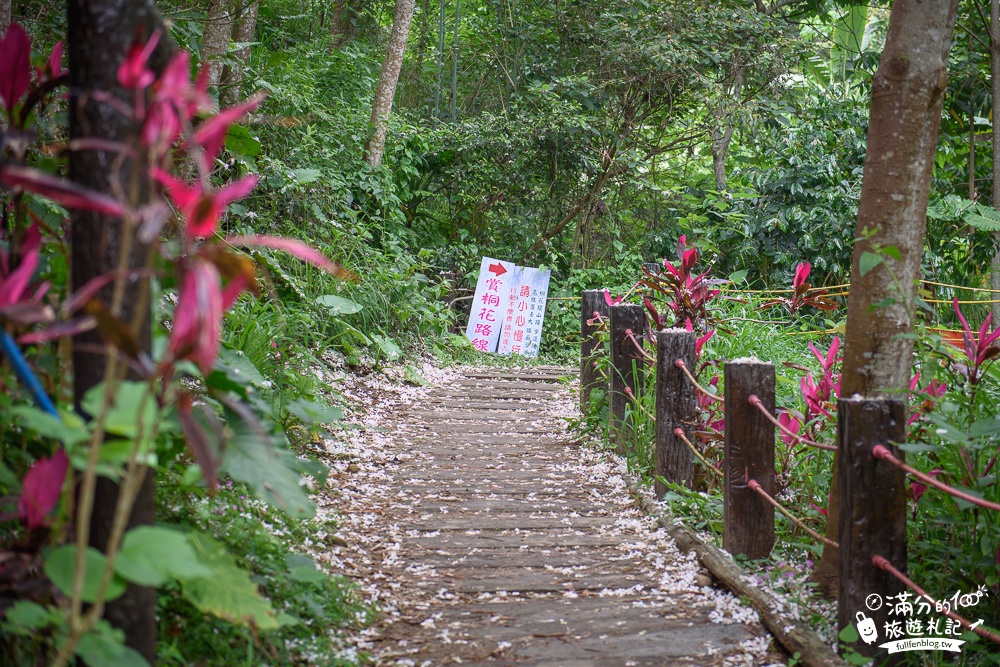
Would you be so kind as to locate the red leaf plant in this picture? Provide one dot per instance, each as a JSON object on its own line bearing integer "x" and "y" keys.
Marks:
{"x": 41, "y": 489}
{"x": 687, "y": 295}
{"x": 979, "y": 349}
{"x": 803, "y": 294}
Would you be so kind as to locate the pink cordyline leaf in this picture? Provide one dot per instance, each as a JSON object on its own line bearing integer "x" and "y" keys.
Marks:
{"x": 688, "y": 260}
{"x": 15, "y": 72}
{"x": 914, "y": 381}
{"x": 198, "y": 317}
{"x": 53, "y": 65}
{"x": 700, "y": 342}
{"x": 792, "y": 424}
{"x": 654, "y": 315}
{"x": 296, "y": 249}
{"x": 609, "y": 300}
{"x": 174, "y": 103}
{"x": 212, "y": 133}
{"x": 199, "y": 440}
{"x": 986, "y": 339}
{"x": 917, "y": 490}
{"x": 199, "y": 207}
{"x": 967, "y": 338}
{"x": 59, "y": 190}
{"x": 819, "y": 509}
{"x": 133, "y": 72}
{"x": 58, "y": 330}
{"x": 14, "y": 284}
{"x": 42, "y": 488}
{"x": 801, "y": 275}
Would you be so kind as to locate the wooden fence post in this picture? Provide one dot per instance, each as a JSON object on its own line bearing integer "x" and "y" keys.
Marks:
{"x": 626, "y": 369}
{"x": 872, "y": 514}
{"x": 675, "y": 408}
{"x": 653, "y": 267}
{"x": 748, "y": 519}
{"x": 592, "y": 301}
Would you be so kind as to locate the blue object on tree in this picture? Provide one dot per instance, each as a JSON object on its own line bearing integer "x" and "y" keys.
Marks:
{"x": 25, "y": 374}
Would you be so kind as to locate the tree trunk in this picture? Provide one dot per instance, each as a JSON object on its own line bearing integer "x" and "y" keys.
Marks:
{"x": 720, "y": 147}
{"x": 244, "y": 30}
{"x": 907, "y": 95}
{"x": 995, "y": 86}
{"x": 6, "y": 14}
{"x": 387, "y": 82}
{"x": 215, "y": 40}
{"x": 341, "y": 23}
{"x": 99, "y": 33}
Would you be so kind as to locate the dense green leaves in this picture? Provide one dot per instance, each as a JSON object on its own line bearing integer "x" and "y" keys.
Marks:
{"x": 154, "y": 555}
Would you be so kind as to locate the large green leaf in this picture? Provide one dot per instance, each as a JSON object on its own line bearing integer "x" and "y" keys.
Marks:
{"x": 228, "y": 592}
{"x": 312, "y": 412}
{"x": 308, "y": 175}
{"x": 69, "y": 428}
{"x": 271, "y": 471}
{"x": 983, "y": 218}
{"x": 27, "y": 617}
{"x": 153, "y": 555}
{"x": 237, "y": 368}
{"x": 240, "y": 141}
{"x": 60, "y": 564}
{"x": 105, "y": 645}
{"x": 134, "y": 407}
{"x": 388, "y": 347}
{"x": 338, "y": 305}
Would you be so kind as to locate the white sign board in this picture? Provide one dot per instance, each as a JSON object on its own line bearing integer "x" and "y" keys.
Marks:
{"x": 508, "y": 308}
{"x": 489, "y": 304}
{"x": 522, "y": 326}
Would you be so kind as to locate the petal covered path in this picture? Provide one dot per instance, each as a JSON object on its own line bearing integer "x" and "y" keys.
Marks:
{"x": 486, "y": 535}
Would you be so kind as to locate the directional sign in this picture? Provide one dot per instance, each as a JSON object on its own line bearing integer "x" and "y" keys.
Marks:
{"x": 508, "y": 308}
{"x": 489, "y": 303}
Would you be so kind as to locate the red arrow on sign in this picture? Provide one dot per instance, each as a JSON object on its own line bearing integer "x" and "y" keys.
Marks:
{"x": 497, "y": 269}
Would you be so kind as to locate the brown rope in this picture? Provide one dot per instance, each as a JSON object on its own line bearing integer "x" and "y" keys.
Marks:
{"x": 759, "y": 404}
{"x": 755, "y": 486}
{"x": 679, "y": 432}
{"x": 679, "y": 363}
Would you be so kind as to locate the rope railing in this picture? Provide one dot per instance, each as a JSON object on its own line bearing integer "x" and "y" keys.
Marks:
{"x": 645, "y": 355}
{"x": 755, "y": 486}
{"x": 755, "y": 401}
{"x": 882, "y": 452}
{"x": 679, "y": 363}
{"x": 679, "y": 432}
{"x": 642, "y": 409}
{"x": 596, "y": 320}
{"x": 883, "y": 564}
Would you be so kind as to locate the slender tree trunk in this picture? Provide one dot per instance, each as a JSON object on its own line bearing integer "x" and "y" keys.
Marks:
{"x": 454, "y": 66}
{"x": 244, "y": 30}
{"x": 720, "y": 147}
{"x": 6, "y": 15}
{"x": 594, "y": 191}
{"x": 215, "y": 40}
{"x": 907, "y": 95}
{"x": 440, "y": 62}
{"x": 995, "y": 87}
{"x": 387, "y": 81}
{"x": 99, "y": 33}
{"x": 341, "y": 23}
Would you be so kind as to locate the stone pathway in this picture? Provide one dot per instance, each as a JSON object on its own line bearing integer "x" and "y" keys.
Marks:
{"x": 509, "y": 544}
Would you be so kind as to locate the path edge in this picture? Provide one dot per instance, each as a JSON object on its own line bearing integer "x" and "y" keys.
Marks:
{"x": 794, "y": 635}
